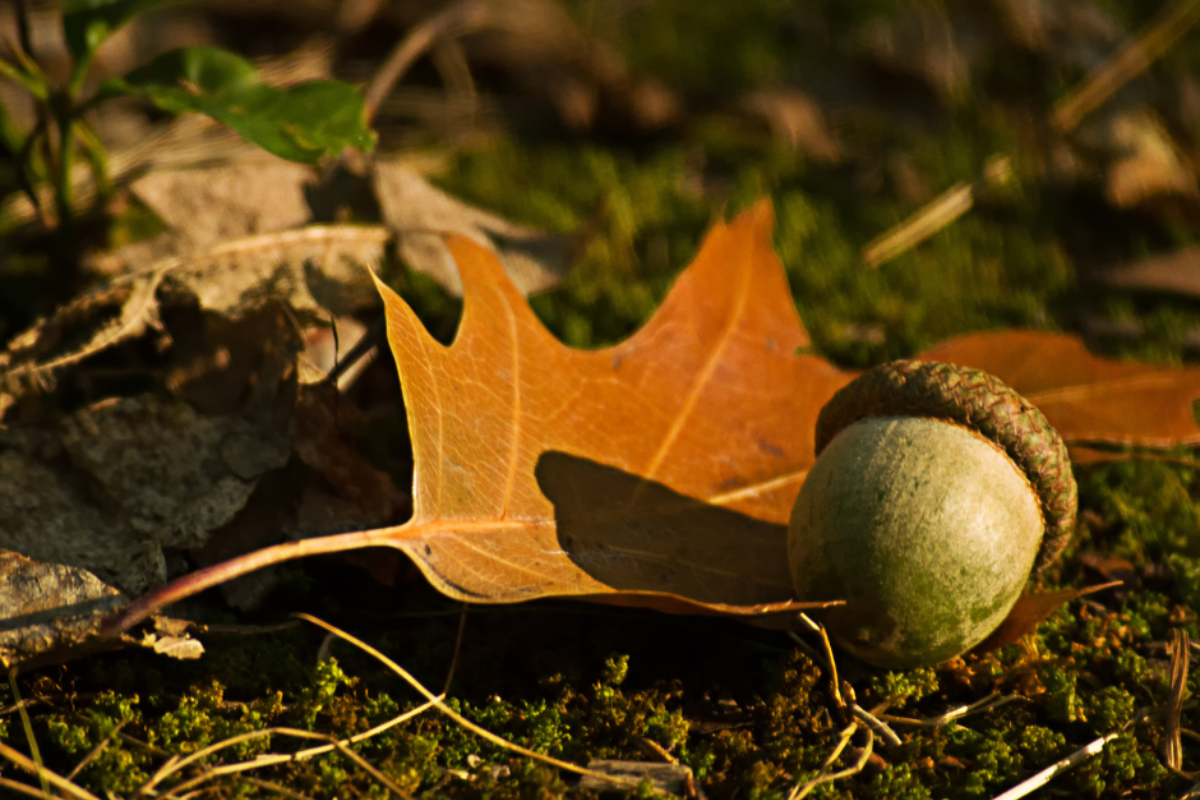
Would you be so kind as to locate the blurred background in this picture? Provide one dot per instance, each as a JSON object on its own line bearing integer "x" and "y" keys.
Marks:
{"x": 936, "y": 166}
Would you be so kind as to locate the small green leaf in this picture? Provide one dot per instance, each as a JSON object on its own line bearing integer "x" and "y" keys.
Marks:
{"x": 87, "y": 23}
{"x": 301, "y": 123}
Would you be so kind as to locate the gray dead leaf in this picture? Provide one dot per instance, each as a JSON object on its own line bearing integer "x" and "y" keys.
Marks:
{"x": 929, "y": 45}
{"x": 420, "y": 215}
{"x": 52, "y": 612}
{"x": 1176, "y": 273}
{"x": 796, "y": 118}
{"x": 205, "y": 207}
{"x": 46, "y": 607}
{"x": 114, "y": 484}
{"x": 316, "y": 270}
{"x": 672, "y": 778}
{"x": 1149, "y": 164}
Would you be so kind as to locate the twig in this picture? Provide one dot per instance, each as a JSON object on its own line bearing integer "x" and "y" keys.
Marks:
{"x": 829, "y": 660}
{"x": 874, "y": 723}
{"x": 1162, "y": 34}
{"x": 988, "y": 703}
{"x": 454, "y": 715}
{"x": 59, "y": 782}
{"x": 457, "y": 20}
{"x": 935, "y": 215}
{"x": 1045, "y": 776}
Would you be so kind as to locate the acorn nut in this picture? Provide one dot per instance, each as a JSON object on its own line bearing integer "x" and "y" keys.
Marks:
{"x": 937, "y": 490}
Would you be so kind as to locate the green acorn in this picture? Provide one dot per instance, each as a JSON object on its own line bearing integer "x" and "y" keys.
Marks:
{"x": 936, "y": 492}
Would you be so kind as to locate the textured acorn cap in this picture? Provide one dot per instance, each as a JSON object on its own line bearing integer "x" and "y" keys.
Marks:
{"x": 978, "y": 401}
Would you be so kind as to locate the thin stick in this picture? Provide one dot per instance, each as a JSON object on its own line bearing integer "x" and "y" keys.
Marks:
{"x": 457, "y": 20}
{"x": 27, "y": 724}
{"x": 1045, "y": 776}
{"x": 59, "y": 782}
{"x": 988, "y": 703}
{"x": 462, "y": 627}
{"x": 876, "y": 724}
{"x": 833, "y": 673}
{"x": 267, "y": 759}
{"x": 1162, "y": 34}
{"x": 454, "y": 715}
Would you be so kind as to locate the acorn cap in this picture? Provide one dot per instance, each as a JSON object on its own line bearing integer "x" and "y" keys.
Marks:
{"x": 978, "y": 401}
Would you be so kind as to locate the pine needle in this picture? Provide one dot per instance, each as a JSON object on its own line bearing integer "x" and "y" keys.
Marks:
{"x": 454, "y": 715}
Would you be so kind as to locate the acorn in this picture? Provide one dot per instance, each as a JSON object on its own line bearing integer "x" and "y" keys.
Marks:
{"x": 937, "y": 492}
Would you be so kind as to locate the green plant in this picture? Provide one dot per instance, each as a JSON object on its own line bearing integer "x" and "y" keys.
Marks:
{"x": 300, "y": 123}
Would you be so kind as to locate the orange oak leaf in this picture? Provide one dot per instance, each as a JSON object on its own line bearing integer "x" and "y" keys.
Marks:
{"x": 1088, "y": 399}
{"x": 659, "y": 472}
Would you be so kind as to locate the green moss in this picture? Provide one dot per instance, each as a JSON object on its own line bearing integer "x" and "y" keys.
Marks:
{"x": 901, "y": 688}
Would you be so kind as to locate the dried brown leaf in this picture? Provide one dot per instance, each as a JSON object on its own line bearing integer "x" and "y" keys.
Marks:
{"x": 1086, "y": 398}
{"x": 421, "y": 216}
{"x": 1030, "y": 611}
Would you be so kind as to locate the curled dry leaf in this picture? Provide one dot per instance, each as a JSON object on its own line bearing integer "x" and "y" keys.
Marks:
{"x": 659, "y": 472}
{"x": 314, "y": 270}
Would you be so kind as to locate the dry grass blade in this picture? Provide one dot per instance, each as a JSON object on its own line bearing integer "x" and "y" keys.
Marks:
{"x": 27, "y": 725}
{"x": 934, "y": 215}
{"x": 24, "y": 762}
{"x": 988, "y": 703}
{"x": 21, "y": 788}
{"x": 876, "y": 724}
{"x": 451, "y": 713}
{"x": 267, "y": 759}
{"x": 1136, "y": 58}
{"x": 1180, "y": 651}
{"x": 95, "y": 751}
